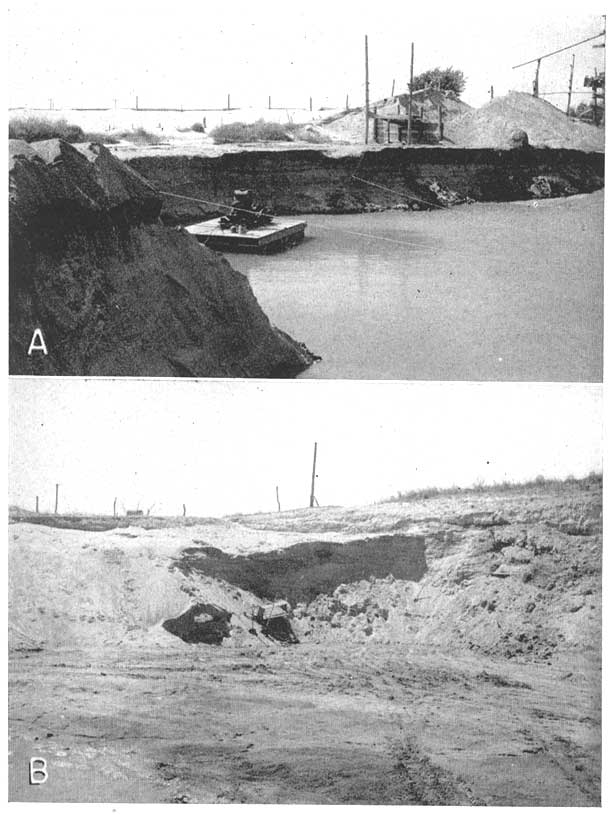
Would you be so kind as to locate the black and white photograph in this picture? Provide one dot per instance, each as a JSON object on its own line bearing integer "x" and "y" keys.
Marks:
{"x": 305, "y": 390}
{"x": 292, "y": 191}
{"x": 276, "y": 598}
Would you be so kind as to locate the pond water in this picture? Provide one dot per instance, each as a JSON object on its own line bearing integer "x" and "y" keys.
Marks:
{"x": 508, "y": 291}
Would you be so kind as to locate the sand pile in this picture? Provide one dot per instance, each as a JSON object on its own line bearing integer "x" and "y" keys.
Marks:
{"x": 545, "y": 125}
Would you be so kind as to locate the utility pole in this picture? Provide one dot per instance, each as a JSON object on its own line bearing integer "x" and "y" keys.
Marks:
{"x": 491, "y": 92}
{"x": 56, "y": 497}
{"x": 551, "y": 54}
{"x": 278, "y": 498}
{"x": 392, "y": 93}
{"x": 228, "y": 101}
{"x": 568, "y": 104}
{"x": 37, "y": 505}
{"x": 114, "y": 508}
{"x": 313, "y": 488}
{"x": 136, "y": 103}
{"x": 366, "y": 91}
{"x": 409, "y": 104}
{"x": 536, "y": 82}
{"x": 184, "y": 510}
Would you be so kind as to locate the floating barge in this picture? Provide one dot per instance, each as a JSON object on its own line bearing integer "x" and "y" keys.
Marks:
{"x": 275, "y": 237}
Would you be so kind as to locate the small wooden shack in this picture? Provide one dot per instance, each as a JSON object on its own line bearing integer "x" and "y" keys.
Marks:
{"x": 391, "y": 118}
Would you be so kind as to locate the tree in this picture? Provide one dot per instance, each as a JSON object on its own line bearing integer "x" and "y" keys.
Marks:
{"x": 449, "y": 79}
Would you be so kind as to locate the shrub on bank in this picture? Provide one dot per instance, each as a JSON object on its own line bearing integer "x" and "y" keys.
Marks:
{"x": 241, "y": 132}
{"x": 140, "y": 136}
{"x": 38, "y": 128}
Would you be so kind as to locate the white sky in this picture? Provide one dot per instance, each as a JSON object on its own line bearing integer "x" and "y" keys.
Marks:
{"x": 193, "y": 53}
{"x": 222, "y": 447}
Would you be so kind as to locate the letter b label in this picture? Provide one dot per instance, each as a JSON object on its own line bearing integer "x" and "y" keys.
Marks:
{"x": 38, "y": 770}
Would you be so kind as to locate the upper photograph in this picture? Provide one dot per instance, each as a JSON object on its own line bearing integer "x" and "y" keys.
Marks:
{"x": 272, "y": 191}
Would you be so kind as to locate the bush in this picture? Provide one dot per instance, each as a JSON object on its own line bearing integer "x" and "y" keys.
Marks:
{"x": 240, "y": 132}
{"x": 37, "y": 128}
{"x": 312, "y": 136}
{"x": 140, "y": 136}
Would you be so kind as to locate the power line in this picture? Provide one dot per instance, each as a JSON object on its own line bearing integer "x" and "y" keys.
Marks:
{"x": 566, "y": 48}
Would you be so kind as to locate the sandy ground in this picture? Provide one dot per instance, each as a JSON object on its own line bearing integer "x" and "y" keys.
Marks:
{"x": 476, "y": 683}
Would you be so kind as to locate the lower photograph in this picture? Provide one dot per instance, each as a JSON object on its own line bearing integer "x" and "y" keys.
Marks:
{"x": 318, "y": 593}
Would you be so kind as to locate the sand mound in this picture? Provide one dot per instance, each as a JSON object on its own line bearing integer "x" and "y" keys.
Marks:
{"x": 546, "y": 125}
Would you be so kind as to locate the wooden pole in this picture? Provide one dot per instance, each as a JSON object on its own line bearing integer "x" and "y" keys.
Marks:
{"x": 568, "y": 104}
{"x": 536, "y": 82}
{"x": 313, "y": 488}
{"x": 36, "y": 504}
{"x": 392, "y": 93}
{"x": 366, "y": 90}
{"x": 136, "y": 103}
{"x": 228, "y": 101}
{"x": 409, "y": 104}
{"x": 184, "y": 510}
{"x": 440, "y": 115}
{"x": 114, "y": 508}
{"x": 278, "y": 499}
{"x": 491, "y": 92}
{"x": 269, "y": 102}
{"x": 347, "y": 106}
{"x": 56, "y": 497}
{"x": 310, "y": 104}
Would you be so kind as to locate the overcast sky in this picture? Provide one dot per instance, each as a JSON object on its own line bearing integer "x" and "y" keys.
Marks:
{"x": 193, "y": 53}
{"x": 222, "y": 447}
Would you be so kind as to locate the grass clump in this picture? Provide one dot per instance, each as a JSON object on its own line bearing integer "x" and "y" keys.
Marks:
{"x": 241, "y": 132}
{"x": 37, "y": 128}
{"x": 140, "y": 136}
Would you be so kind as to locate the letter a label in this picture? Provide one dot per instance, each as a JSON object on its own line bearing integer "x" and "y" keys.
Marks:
{"x": 38, "y": 770}
{"x": 37, "y": 343}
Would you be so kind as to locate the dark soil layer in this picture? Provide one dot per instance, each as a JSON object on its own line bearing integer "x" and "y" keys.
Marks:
{"x": 302, "y": 181}
{"x": 203, "y": 622}
{"x": 301, "y": 572}
{"x": 115, "y": 292}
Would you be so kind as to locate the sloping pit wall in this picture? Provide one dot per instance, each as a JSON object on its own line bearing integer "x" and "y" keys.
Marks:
{"x": 309, "y": 181}
{"x": 301, "y": 572}
{"x": 116, "y": 293}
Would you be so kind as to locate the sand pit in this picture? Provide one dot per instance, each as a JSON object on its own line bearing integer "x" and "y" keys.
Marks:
{"x": 427, "y": 686}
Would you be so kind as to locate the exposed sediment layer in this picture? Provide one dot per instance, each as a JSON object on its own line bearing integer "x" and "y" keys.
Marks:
{"x": 302, "y": 181}
{"x": 114, "y": 291}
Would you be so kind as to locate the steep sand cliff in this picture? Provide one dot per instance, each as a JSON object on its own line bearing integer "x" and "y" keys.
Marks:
{"x": 115, "y": 292}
